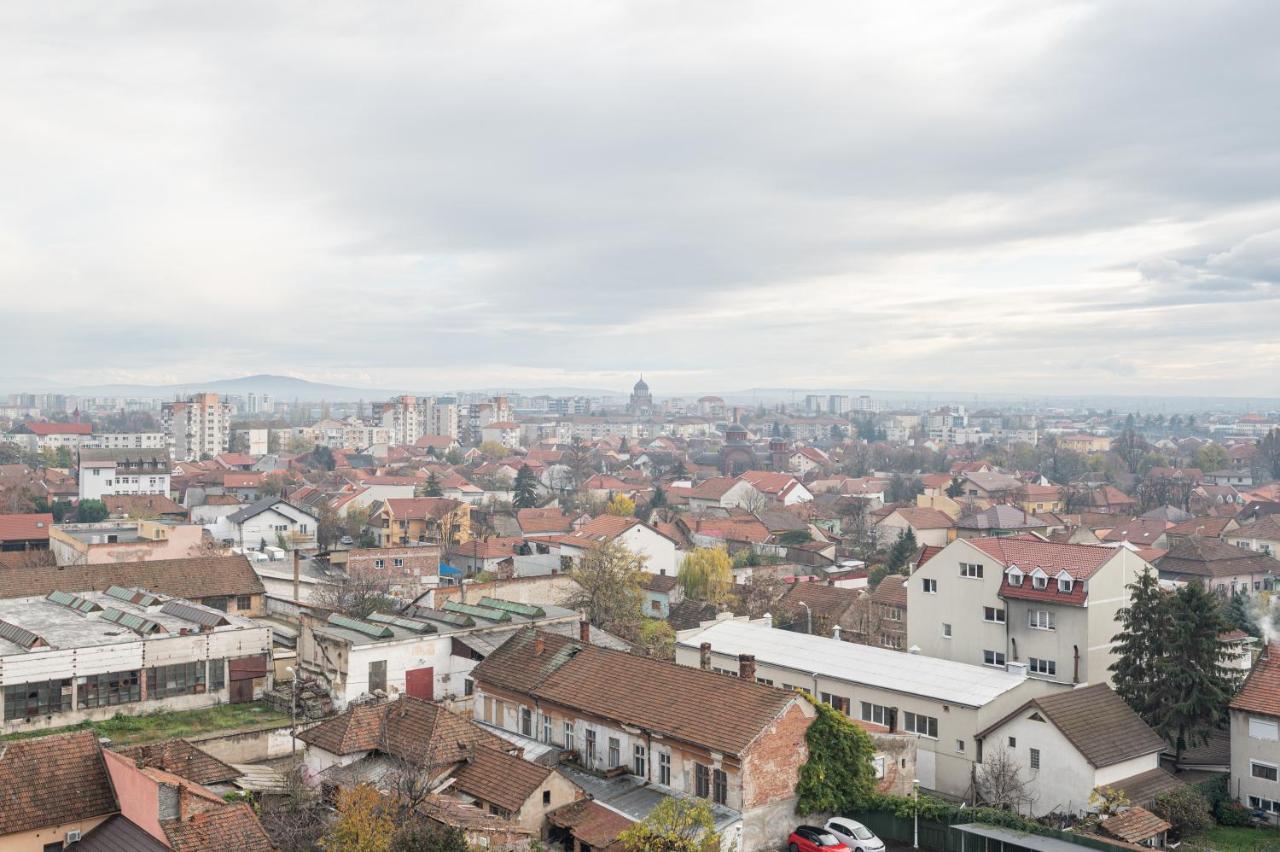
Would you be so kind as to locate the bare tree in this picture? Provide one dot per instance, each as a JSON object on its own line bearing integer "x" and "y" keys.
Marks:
{"x": 999, "y": 781}
{"x": 296, "y": 821}
{"x": 356, "y": 594}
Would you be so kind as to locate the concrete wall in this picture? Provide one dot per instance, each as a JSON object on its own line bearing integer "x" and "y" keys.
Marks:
{"x": 34, "y": 841}
{"x": 1244, "y": 749}
{"x": 250, "y": 746}
{"x": 959, "y": 602}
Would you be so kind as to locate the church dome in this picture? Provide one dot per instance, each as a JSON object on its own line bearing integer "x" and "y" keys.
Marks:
{"x": 641, "y": 387}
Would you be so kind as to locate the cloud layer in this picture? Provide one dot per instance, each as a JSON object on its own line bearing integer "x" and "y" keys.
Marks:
{"x": 1062, "y": 197}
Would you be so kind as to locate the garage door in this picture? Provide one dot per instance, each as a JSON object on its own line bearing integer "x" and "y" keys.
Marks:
{"x": 421, "y": 683}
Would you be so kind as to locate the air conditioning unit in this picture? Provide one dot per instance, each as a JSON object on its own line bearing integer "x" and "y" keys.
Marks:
{"x": 73, "y": 836}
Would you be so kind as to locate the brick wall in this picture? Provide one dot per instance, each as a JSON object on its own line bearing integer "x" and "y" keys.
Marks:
{"x": 773, "y": 762}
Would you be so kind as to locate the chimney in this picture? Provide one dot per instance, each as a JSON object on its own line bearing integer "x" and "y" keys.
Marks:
{"x": 835, "y": 633}
{"x": 584, "y": 631}
{"x": 747, "y": 666}
{"x": 539, "y": 645}
{"x": 767, "y": 618}
{"x": 705, "y": 661}
{"x": 831, "y": 581}
{"x": 297, "y": 557}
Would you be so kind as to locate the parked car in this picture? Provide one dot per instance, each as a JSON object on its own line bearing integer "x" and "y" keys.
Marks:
{"x": 810, "y": 838}
{"x": 855, "y": 835}
{"x": 347, "y": 540}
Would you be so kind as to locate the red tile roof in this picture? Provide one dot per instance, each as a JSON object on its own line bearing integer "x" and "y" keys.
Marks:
{"x": 543, "y": 520}
{"x": 44, "y": 428}
{"x": 501, "y": 779}
{"x": 220, "y": 830}
{"x": 25, "y": 527}
{"x": 420, "y": 508}
{"x": 182, "y": 759}
{"x": 51, "y": 781}
{"x": 1261, "y": 690}
{"x": 1081, "y": 561}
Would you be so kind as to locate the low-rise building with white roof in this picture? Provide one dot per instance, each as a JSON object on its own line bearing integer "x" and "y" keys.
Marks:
{"x": 943, "y": 702}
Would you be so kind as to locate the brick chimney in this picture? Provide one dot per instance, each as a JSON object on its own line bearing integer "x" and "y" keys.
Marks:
{"x": 539, "y": 645}
{"x": 705, "y": 659}
{"x": 584, "y": 631}
{"x": 747, "y": 666}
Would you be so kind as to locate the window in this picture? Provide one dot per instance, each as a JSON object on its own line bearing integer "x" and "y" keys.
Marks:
{"x": 217, "y": 675}
{"x": 218, "y": 602}
{"x": 28, "y": 700}
{"x": 1041, "y": 619}
{"x": 107, "y": 690}
{"x": 526, "y": 722}
{"x": 664, "y": 769}
{"x": 1265, "y": 771}
{"x": 971, "y": 570}
{"x": 639, "y": 761}
{"x": 244, "y": 602}
{"x": 178, "y": 679}
{"x": 378, "y": 563}
{"x": 615, "y": 752}
{"x": 591, "y": 747}
{"x": 1013, "y": 742}
{"x": 891, "y": 613}
{"x": 655, "y": 606}
{"x": 994, "y": 614}
{"x": 378, "y": 675}
{"x": 930, "y": 586}
{"x": 1065, "y": 584}
{"x": 766, "y": 681}
{"x": 1015, "y": 578}
{"x": 546, "y": 728}
{"x": 960, "y": 746}
{"x": 568, "y": 737}
{"x": 877, "y": 763}
{"x": 397, "y": 562}
{"x": 1264, "y": 729}
{"x": 1039, "y": 581}
{"x": 837, "y": 701}
{"x": 468, "y": 686}
{"x": 1042, "y": 667}
{"x": 701, "y": 780}
{"x": 1258, "y": 803}
{"x": 993, "y": 658}
{"x": 1035, "y": 758}
{"x": 925, "y": 726}
{"x": 546, "y": 797}
{"x": 720, "y": 787}
{"x": 891, "y": 640}
{"x": 875, "y": 713}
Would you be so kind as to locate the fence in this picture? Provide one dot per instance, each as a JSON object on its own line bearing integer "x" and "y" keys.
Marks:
{"x": 937, "y": 835}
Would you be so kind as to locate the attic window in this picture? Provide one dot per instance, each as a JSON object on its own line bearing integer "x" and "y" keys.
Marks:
{"x": 1065, "y": 584}
{"x": 1039, "y": 580}
{"x": 1015, "y": 577}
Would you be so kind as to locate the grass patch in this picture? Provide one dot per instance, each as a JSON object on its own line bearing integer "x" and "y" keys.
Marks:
{"x": 166, "y": 724}
{"x": 1226, "y": 839}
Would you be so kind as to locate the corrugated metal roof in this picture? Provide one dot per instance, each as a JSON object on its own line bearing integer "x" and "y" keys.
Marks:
{"x": 191, "y": 612}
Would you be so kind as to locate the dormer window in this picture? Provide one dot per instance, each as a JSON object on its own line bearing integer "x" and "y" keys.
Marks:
{"x": 1015, "y": 576}
{"x": 1039, "y": 580}
{"x": 1065, "y": 583}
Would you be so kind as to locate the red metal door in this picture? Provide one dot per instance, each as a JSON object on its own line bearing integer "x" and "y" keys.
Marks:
{"x": 421, "y": 683}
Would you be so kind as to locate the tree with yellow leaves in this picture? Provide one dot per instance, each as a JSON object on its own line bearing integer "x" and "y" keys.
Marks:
{"x": 621, "y": 505}
{"x": 364, "y": 822}
{"x": 707, "y": 575}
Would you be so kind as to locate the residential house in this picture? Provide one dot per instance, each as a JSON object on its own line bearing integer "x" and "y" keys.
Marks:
{"x": 468, "y": 761}
{"x": 1139, "y": 532}
{"x": 998, "y": 520}
{"x": 724, "y": 492}
{"x": 37, "y": 435}
{"x": 1108, "y": 499}
{"x": 1222, "y": 567}
{"x": 145, "y": 506}
{"x": 432, "y": 520}
{"x": 55, "y": 790}
{"x": 943, "y": 703}
{"x": 1255, "y": 737}
{"x": 657, "y": 548}
{"x": 806, "y": 460}
{"x": 408, "y": 571}
{"x": 730, "y": 740}
{"x": 985, "y": 487}
{"x": 821, "y": 609}
{"x": 886, "y": 616}
{"x": 1262, "y": 536}
{"x": 25, "y": 532}
{"x": 781, "y": 489}
{"x": 1036, "y": 499}
{"x": 1066, "y": 745}
{"x": 1048, "y": 606}
{"x": 1211, "y": 527}
{"x": 269, "y": 522}
{"x": 661, "y": 592}
{"x": 929, "y": 526}
{"x": 536, "y": 523}
{"x": 1085, "y": 443}
{"x": 109, "y": 472}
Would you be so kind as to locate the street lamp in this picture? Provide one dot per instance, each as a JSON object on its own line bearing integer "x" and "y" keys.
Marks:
{"x": 808, "y": 617}
{"x": 293, "y": 708}
{"x": 915, "y": 798}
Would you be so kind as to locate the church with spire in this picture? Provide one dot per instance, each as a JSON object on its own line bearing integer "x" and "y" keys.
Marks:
{"x": 641, "y": 404}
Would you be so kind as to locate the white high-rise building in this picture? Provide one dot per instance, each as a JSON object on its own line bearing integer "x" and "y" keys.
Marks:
{"x": 199, "y": 427}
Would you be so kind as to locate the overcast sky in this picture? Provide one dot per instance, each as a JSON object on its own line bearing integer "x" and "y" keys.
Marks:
{"x": 988, "y": 196}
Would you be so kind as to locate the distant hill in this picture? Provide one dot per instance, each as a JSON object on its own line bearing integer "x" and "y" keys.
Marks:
{"x": 283, "y": 388}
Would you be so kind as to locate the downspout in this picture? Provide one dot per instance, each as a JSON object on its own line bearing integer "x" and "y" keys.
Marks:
{"x": 1075, "y": 674}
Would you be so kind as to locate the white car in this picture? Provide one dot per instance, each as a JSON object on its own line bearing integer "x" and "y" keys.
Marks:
{"x": 855, "y": 835}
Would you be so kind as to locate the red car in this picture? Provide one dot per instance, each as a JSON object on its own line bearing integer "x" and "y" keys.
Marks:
{"x": 810, "y": 838}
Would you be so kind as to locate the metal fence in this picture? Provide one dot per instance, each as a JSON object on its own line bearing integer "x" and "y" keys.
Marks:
{"x": 938, "y": 836}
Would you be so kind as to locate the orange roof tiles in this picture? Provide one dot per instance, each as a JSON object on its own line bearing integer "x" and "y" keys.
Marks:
{"x": 1261, "y": 690}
